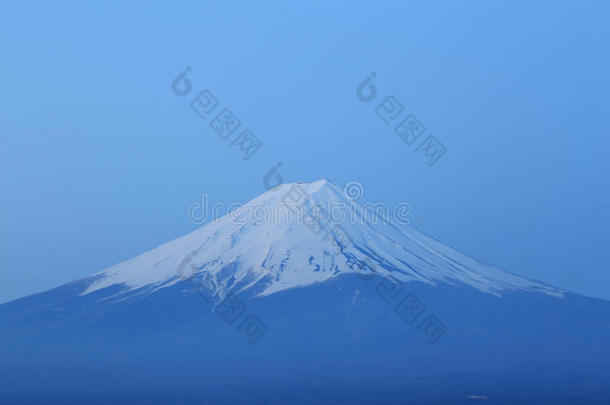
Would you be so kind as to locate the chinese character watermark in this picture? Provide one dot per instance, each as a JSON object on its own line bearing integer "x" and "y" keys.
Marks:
{"x": 225, "y": 123}
{"x": 409, "y": 129}
{"x": 230, "y": 308}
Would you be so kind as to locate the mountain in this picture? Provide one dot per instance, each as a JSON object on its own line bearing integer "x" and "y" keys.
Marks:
{"x": 268, "y": 245}
{"x": 305, "y": 295}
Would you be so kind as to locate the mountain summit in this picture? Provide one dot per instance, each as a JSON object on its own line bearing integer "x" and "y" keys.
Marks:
{"x": 303, "y": 233}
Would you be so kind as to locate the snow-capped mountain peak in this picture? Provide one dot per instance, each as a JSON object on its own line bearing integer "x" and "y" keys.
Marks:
{"x": 298, "y": 234}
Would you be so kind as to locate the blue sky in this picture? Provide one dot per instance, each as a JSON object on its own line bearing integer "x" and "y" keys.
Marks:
{"x": 100, "y": 159}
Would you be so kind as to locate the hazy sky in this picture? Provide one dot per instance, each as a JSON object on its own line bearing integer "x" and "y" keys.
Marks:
{"x": 100, "y": 159}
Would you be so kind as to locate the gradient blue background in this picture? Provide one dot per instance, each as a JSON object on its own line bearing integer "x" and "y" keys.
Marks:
{"x": 100, "y": 159}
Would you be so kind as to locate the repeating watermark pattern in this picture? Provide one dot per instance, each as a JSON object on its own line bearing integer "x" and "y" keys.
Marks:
{"x": 273, "y": 174}
{"x": 289, "y": 211}
{"x": 373, "y": 212}
{"x": 229, "y": 307}
{"x": 316, "y": 217}
{"x": 320, "y": 222}
{"x": 225, "y": 123}
{"x": 409, "y": 128}
{"x": 353, "y": 190}
{"x": 200, "y": 212}
{"x": 409, "y": 308}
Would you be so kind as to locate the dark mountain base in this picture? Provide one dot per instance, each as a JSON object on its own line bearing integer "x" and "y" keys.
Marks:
{"x": 324, "y": 344}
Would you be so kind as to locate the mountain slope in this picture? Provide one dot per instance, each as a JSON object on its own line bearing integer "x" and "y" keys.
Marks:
{"x": 334, "y": 342}
{"x": 282, "y": 312}
{"x": 269, "y": 246}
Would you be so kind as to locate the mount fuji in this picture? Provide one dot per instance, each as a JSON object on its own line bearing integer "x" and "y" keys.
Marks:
{"x": 304, "y": 309}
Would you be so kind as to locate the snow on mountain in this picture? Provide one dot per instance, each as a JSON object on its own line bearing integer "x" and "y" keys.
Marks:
{"x": 247, "y": 251}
